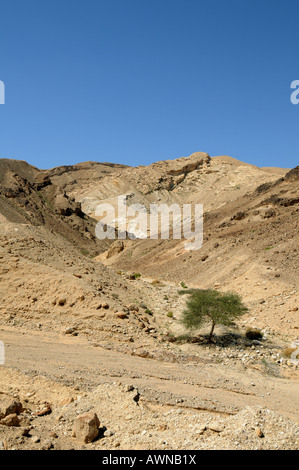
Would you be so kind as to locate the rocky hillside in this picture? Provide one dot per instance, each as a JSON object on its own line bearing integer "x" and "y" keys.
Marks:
{"x": 29, "y": 196}
{"x": 95, "y": 354}
{"x": 250, "y": 229}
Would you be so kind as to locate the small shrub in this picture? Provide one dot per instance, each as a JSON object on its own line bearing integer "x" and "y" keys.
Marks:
{"x": 85, "y": 252}
{"x": 149, "y": 312}
{"x": 171, "y": 338}
{"x": 253, "y": 333}
{"x": 183, "y": 285}
{"x": 135, "y": 275}
{"x": 170, "y": 314}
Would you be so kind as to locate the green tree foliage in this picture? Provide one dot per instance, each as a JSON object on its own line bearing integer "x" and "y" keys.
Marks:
{"x": 211, "y": 306}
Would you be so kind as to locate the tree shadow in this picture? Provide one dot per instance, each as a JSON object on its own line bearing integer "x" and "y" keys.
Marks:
{"x": 224, "y": 340}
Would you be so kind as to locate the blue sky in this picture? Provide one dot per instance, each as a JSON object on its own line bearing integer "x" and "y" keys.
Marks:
{"x": 136, "y": 81}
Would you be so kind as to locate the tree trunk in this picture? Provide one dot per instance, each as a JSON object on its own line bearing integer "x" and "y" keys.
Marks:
{"x": 212, "y": 331}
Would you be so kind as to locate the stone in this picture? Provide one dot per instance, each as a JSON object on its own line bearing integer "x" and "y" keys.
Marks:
{"x": 67, "y": 401}
{"x": 121, "y": 315}
{"x": 133, "y": 308}
{"x": 259, "y": 433}
{"x": 239, "y": 216}
{"x": 86, "y": 428}
{"x": 44, "y": 411}
{"x": 8, "y": 407}
{"x": 25, "y": 432}
{"x": 269, "y": 213}
{"x": 70, "y": 331}
{"x": 11, "y": 420}
{"x": 215, "y": 427}
{"x": 162, "y": 427}
{"x": 200, "y": 430}
{"x": 47, "y": 445}
{"x": 3, "y": 445}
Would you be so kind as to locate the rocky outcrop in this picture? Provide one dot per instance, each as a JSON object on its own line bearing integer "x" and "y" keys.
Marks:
{"x": 116, "y": 248}
{"x": 293, "y": 174}
{"x": 192, "y": 163}
{"x": 67, "y": 206}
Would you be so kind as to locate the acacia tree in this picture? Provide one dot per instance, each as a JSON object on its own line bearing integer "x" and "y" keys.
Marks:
{"x": 211, "y": 306}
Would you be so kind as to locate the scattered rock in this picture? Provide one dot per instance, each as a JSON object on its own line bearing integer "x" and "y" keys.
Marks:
{"x": 11, "y": 420}
{"x": 86, "y": 427}
{"x": 45, "y": 411}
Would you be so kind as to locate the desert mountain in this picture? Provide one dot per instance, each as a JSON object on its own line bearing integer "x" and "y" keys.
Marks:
{"x": 250, "y": 234}
{"x": 94, "y": 324}
{"x": 199, "y": 178}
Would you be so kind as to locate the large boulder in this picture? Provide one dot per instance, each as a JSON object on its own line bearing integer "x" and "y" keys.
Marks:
{"x": 86, "y": 428}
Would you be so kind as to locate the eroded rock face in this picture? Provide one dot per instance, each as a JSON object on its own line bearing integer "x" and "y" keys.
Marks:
{"x": 171, "y": 173}
{"x": 28, "y": 195}
{"x": 190, "y": 164}
{"x": 41, "y": 181}
{"x": 116, "y": 248}
{"x": 13, "y": 185}
{"x": 67, "y": 206}
{"x": 293, "y": 174}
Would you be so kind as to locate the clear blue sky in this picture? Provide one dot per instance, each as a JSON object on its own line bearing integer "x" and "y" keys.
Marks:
{"x": 136, "y": 81}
